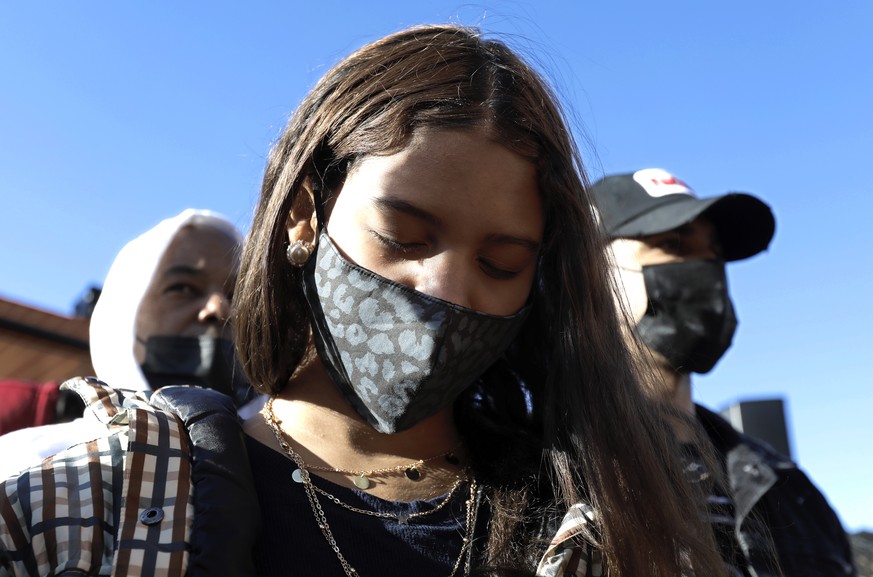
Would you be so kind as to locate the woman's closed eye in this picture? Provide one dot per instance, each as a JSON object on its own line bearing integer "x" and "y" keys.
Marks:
{"x": 497, "y": 270}
{"x": 396, "y": 246}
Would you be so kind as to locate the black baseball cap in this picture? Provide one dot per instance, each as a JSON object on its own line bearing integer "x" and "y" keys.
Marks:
{"x": 652, "y": 201}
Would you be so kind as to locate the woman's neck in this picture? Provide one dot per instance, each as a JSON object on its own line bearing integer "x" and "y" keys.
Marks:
{"x": 324, "y": 429}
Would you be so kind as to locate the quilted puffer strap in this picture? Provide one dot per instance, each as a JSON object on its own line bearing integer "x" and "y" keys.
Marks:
{"x": 226, "y": 520}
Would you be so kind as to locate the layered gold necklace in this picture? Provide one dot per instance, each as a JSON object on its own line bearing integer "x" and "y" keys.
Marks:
{"x": 301, "y": 475}
{"x": 362, "y": 478}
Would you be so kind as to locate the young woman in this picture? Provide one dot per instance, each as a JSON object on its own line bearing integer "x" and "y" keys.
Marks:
{"x": 424, "y": 297}
{"x": 425, "y": 215}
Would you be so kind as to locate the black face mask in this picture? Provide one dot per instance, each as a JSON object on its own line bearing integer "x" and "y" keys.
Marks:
{"x": 205, "y": 361}
{"x": 690, "y": 319}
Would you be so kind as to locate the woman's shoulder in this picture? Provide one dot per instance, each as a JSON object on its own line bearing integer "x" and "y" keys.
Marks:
{"x": 112, "y": 406}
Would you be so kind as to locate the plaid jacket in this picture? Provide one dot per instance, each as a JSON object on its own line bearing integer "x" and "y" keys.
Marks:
{"x": 63, "y": 516}
{"x": 123, "y": 504}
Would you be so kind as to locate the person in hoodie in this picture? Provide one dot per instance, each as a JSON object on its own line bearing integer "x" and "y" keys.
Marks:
{"x": 161, "y": 319}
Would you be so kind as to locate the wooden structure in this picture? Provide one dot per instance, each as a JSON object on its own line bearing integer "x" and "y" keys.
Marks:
{"x": 41, "y": 346}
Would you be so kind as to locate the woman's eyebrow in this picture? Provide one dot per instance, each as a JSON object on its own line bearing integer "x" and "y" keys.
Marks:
{"x": 386, "y": 204}
{"x": 527, "y": 243}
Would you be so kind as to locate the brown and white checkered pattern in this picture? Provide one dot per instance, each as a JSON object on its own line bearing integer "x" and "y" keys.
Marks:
{"x": 568, "y": 554}
{"x": 64, "y": 514}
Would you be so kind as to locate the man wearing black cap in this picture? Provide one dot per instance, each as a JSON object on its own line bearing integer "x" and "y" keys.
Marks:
{"x": 670, "y": 248}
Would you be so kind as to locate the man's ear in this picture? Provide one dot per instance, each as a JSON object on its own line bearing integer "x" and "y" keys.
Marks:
{"x": 302, "y": 221}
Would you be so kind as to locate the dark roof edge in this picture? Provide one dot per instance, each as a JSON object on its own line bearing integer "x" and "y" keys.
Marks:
{"x": 44, "y": 334}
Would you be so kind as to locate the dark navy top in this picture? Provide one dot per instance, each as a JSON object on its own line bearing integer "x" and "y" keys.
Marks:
{"x": 292, "y": 544}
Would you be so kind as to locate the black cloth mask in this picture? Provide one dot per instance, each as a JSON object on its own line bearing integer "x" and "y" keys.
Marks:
{"x": 396, "y": 354}
{"x": 205, "y": 361}
{"x": 690, "y": 319}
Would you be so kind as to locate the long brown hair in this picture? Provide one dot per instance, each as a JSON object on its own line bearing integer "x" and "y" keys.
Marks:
{"x": 575, "y": 427}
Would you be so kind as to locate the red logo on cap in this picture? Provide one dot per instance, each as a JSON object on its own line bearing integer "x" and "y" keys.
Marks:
{"x": 668, "y": 180}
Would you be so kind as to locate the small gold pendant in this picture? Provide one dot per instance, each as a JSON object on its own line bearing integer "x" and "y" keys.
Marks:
{"x": 362, "y": 482}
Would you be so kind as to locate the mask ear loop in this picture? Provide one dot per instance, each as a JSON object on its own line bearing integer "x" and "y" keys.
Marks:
{"x": 318, "y": 202}
{"x": 322, "y": 338}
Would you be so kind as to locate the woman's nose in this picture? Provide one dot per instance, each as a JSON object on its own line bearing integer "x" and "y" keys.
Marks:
{"x": 448, "y": 278}
{"x": 215, "y": 309}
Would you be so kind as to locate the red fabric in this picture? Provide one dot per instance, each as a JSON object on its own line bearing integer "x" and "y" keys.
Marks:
{"x": 24, "y": 404}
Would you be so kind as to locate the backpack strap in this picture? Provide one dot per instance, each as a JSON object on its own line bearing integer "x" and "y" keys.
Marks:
{"x": 226, "y": 511}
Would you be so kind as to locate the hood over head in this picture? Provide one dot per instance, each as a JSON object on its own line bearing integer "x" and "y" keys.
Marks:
{"x": 113, "y": 322}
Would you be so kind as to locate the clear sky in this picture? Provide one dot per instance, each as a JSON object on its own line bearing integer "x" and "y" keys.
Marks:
{"x": 114, "y": 115}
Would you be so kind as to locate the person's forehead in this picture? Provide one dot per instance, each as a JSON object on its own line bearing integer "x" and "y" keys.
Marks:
{"x": 696, "y": 239}
{"x": 700, "y": 228}
{"x": 201, "y": 246}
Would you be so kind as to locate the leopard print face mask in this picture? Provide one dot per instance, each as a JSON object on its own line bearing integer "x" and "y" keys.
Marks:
{"x": 398, "y": 355}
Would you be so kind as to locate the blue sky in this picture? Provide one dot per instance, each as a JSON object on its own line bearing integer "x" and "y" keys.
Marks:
{"x": 114, "y": 115}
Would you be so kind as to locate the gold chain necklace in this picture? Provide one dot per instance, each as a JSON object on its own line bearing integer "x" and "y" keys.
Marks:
{"x": 361, "y": 478}
{"x": 297, "y": 476}
{"x": 411, "y": 470}
{"x": 320, "y": 519}
{"x": 402, "y": 518}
